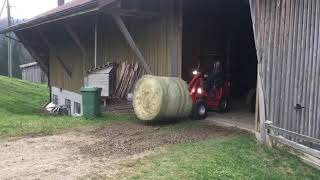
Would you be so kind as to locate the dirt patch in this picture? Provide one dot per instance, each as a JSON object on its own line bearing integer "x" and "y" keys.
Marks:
{"x": 99, "y": 153}
{"x": 125, "y": 139}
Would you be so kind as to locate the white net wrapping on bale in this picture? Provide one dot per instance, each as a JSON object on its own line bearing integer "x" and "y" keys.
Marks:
{"x": 158, "y": 98}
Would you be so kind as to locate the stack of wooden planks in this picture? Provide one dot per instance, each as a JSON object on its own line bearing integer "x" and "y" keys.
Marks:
{"x": 128, "y": 73}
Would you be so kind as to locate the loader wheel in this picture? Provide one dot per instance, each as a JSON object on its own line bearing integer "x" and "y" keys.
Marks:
{"x": 200, "y": 110}
{"x": 224, "y": 105}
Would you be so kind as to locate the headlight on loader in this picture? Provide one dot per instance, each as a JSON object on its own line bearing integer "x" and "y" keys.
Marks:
{"x": 195, "y": 72}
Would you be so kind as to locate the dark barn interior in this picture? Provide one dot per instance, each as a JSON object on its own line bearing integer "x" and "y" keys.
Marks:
{"x": 223, "y": 28}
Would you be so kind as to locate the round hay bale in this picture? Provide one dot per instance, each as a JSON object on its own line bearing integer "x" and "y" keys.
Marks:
{"x": 159, "y": 98}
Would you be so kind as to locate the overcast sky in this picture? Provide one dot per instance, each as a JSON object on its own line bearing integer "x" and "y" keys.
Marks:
{"x": 25, "y": 9}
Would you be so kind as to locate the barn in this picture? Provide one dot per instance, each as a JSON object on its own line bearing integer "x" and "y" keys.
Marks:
{"x": 268, "y": 46}
{"x": 33, "y": 73}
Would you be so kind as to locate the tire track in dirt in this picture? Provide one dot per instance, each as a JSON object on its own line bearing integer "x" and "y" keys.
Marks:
{"x": 99, "y": 153}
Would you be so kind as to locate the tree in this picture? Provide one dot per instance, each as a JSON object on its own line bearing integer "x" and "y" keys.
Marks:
{"x": 19, "y": 54}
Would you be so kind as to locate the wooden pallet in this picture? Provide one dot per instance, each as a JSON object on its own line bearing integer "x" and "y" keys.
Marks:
{"x": 128, "y": 74}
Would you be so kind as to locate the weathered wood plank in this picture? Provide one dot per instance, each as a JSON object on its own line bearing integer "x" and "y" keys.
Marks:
{"x": 275, "y": 62}
{"x": 311, "y": 80}
{"x": 134, "y": 13}
{"x": 297, "y": 97}
{"x": 262, "y": 113}
{"x": 280, "y": 63}
{"x": 296, "y": 146}
{"x": 314, "y": 91}
{"x": 317, "y": 75}
{"x": 295, "y": 68}
{"x": 287, "y": 71}
{"x": 293, "y": 134}
{"x": 304, "y": 97}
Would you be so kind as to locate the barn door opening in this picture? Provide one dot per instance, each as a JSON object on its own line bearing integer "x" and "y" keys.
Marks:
{"x": 223, "y": 28}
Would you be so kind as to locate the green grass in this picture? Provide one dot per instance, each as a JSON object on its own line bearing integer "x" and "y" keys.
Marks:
{"x": 19, "y": 106}
{"x": 21, "y": 97}
{"x": 237, "y": 157}
{"x": 225, "y": 158}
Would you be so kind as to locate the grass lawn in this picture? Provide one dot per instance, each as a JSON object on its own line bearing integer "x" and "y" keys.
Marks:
{"x": 227, "y": 158}
{"x": 236, "y": 157}
{"x": 19, "y": 106}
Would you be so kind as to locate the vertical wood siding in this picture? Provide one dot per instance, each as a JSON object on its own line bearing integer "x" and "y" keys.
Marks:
{"x": 159, "y": 39}
{"x": 287, "y": 35}
{"x": 34, "y": 74}
{"x": 71, "y": 56}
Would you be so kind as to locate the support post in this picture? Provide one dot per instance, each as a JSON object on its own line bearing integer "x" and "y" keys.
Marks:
{"x": 262, "y": 113}
{"x": 9, "y": 42}
{"x": 131, "y": 43}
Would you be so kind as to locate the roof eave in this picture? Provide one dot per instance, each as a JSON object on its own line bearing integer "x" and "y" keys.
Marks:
{"x": 76, "y": 11}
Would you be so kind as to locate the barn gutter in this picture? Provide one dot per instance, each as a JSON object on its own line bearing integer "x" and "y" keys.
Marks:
{"x": 96, "y": 42}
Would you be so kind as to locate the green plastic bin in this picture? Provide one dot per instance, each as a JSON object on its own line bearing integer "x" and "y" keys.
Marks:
{"x": 91, "y": 101}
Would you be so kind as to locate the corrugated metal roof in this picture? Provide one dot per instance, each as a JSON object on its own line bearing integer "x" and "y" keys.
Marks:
{"x": 67, "y": 6}
{"x": 72, "y": 7}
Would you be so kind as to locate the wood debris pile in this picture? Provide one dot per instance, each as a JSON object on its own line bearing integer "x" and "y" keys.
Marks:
{"x": 128, "y": 73}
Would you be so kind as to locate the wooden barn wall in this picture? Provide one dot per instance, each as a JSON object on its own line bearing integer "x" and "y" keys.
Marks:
{"x": 159, "y": 40}
{"x": 72, "y": 58}
{"x": 34, "y": 74}
{"x": 287, "y": 35}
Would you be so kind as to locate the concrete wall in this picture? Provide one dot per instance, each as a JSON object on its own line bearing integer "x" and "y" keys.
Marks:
{"x": 72, "y": 96}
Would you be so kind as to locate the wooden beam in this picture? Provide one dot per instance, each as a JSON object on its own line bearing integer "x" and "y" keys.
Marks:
{"x": 293, "y": 134}
{"x": 76, "y": 39}
{"x": 295, "y": 145}
{"x": 135, "y": 13}
{"x": 131, "y": 43}
{"x": 115, "y": 9}
{"x": 104, "y": 3}
{"x": 54, "y": 52}
{"x": 262, "y": 113}
{"x": 64, "y": 66}
{"x": 81, "y": 45}
{"x": 34, "y": 54}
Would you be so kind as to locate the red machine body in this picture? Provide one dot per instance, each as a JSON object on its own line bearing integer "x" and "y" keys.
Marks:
{"x": 204, "y": 101}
